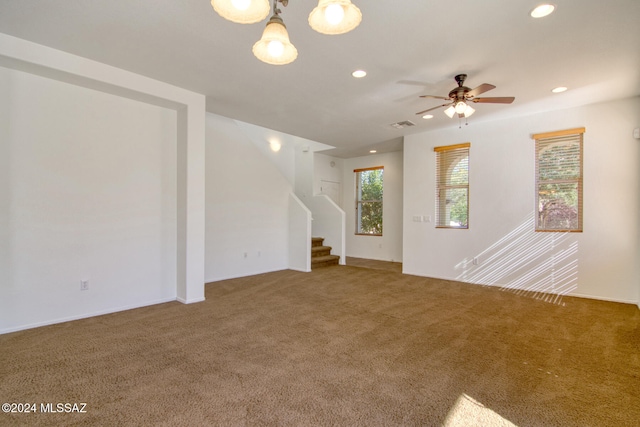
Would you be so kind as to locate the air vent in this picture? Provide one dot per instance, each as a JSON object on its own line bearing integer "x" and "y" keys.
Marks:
{"x": 403, "y": 124}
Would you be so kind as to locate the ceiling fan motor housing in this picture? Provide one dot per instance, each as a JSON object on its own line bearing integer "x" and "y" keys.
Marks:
{"x": 460, "y": 78}
{"x": 458, "y": 94}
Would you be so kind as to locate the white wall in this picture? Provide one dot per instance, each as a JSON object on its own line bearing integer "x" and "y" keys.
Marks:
{"x": 276, "y": 146}
{"x": 247, "y": 205}
{"x": 328, "y": 168}
{"x": 601, "y": 262}
{"x": 87, "y": 192}
{"x": 387, "y": 247}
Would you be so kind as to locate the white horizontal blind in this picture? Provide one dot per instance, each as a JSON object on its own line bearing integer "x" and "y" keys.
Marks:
{"x": 452, "y": 186}
{"x": 559, "y": 180}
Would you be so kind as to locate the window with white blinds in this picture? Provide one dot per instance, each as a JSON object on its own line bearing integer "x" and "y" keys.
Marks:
{"x": 452, "y": 186}
{"x": 559, "y": 180}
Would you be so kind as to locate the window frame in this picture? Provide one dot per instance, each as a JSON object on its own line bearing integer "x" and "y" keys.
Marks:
{"x": 359, "y": 202}
{"x": 443, "y": 154}
{"x": 562, "y": 137}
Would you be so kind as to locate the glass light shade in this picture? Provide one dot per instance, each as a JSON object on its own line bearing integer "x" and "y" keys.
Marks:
{"x": 242, "y": 11}
{"x": 460, "y": 107}
{"x": 450, "y": 111}
{"x": 274, "y": 47}
{"x": 325, "y": 18}
{"x": 334, "y": 14}
{"x": 469, "y": 111}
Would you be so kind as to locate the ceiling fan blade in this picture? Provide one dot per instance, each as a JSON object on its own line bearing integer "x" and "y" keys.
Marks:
{"x": 446, "y": 98}
{"x": 430, "y": 109}
{"x": 484, "y": 87}
{"x": 498, "y": 100}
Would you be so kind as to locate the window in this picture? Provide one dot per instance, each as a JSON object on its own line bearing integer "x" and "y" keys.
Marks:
{"x": 452, "y": 186}
{"x": 559, "y": 180}
{"x": 369, "y": 200}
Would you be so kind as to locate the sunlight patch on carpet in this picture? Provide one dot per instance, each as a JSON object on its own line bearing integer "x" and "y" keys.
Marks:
{"x": 468, "y": 412}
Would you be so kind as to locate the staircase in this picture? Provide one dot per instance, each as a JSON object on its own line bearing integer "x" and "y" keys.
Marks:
{"x": 321, "y": 255}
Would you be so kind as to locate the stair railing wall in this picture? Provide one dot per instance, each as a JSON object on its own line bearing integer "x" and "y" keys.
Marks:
{"x": 299, "y": 235}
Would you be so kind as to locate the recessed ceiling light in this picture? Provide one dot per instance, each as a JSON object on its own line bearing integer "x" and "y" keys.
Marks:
{"x": 428, "y": 116}
{"x": 542, "y": 10}
{"x": 559, "y": 89}
{"x": 358, "y": 74}
{"x": 373, "y": 151}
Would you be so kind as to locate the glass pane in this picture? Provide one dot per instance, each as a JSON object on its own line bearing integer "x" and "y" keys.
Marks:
{"x": 452, "y": 168}
{"x": 371, "y": 184}
{"x": 453, "y": 209}
{"x": 558, "y": 162}
{"x": 370, "y": 218}
{"x": 558, "y": 206}
{"x": 460, "y": 173}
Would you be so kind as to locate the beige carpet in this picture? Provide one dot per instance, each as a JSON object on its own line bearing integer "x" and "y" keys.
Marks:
{"x": 341, "y": 346}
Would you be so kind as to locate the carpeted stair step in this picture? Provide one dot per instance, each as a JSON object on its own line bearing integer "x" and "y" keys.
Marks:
{"x": 324, "y": 261}
{"x": 317, "y": 241}
{"x": 320, "y": 251}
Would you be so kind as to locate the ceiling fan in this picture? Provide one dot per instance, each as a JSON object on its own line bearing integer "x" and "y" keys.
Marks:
{"x": 460, "y": 97}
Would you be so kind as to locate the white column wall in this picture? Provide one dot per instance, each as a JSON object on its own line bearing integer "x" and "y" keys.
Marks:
{"x": 120, "y": 149}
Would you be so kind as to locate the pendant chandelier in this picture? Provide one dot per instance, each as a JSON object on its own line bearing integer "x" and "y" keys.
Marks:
{"x": 329, "y": 17}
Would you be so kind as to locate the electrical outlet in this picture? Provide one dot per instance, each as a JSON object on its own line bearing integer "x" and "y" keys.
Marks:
{"x": 84, "y": 285}
{"x": 475, "y": 260}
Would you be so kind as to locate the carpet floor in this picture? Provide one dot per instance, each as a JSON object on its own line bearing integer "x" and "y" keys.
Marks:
{"x": 341, "y": 346}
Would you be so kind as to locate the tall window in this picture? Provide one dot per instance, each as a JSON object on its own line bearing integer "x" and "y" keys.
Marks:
{"x": 369, "y": 200}
{"x": 559, "y": 180}
{"x": 452, "y": 186}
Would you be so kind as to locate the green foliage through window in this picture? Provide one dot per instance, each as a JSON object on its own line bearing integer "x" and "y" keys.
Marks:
{"x": 369, "y": 189}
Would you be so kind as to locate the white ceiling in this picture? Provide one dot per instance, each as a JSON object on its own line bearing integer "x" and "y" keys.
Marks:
{"x": 408, "y": 48}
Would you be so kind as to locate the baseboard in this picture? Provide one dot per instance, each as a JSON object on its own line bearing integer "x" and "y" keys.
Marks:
{"x": 302, "y": 270}
{"x": 189, "y": 301}
{"x": 84, "y": 316}
{"x": 621, "y": 301}
{"x": 253, "y": 273}
{"x": 497, "y": 285}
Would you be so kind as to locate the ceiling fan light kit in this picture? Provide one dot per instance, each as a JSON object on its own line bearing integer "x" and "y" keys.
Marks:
{"x": 275, "y": 48}
{"x": 242, "y": 11}
{"x": 335, "y": 17}
{"x": 450, "y": 111}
